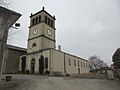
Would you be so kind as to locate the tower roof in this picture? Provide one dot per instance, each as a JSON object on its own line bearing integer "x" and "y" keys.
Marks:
{"x": 43, "y": 10}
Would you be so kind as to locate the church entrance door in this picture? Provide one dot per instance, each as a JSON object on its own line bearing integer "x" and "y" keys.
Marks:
{"x": 32, "y": 66}
{"x": 41, "y": 65}
{"x": 23, "y": 64}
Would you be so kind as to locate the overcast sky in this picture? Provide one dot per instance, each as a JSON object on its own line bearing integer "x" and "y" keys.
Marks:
{"x": 83, "y": 27}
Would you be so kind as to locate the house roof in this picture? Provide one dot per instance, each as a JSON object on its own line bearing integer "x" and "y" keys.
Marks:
{"x": 11, "y": 15}
{"x": 72, "y": 55}
{"x": 58, "y": 51}
{"x": 16, "y": 48}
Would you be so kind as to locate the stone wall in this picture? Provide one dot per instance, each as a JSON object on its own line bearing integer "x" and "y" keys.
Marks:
{"x": 11, "y": 60}
{"x": 92, "y": 76}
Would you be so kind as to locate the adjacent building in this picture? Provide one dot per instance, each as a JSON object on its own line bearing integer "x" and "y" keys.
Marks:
{"x": 7, "y": 19}
{"x": 104, "y": 72}
{"x": 11, "y": 58}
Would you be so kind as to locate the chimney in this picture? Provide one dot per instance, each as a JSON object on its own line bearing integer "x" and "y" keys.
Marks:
{"x": 59, "y": 47}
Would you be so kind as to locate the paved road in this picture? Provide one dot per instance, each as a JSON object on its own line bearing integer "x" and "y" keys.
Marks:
{"x": 29, "y": 82}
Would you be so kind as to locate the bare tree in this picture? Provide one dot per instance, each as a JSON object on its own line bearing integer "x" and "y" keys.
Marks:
{"x": 95, "y": 62}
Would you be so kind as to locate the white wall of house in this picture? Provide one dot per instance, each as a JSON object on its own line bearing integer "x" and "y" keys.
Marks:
{"x": 61, "y": 63}
{"x": 57, "y": 61}
{"x": 76, "y": 65}
{"x": 110, "y": 74}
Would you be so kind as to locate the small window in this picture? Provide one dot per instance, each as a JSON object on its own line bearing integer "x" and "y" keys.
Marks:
{"x": 36, "y": 20}
{"x": 48, "y": 21}
{"x": 78, "y": 64}
{"x": 84, "y": 65}
{"x": 74, "y": 63}
{"x": 51, "y": 23}
{"x": 34, "y": 45}
{"x": 39, "y": 19}
{"x": 46, "y": 62}
{"x": 81, "y": 64}
{"x": 69, "y": 62}
{"x": 33, "y": 21}
{"x": 45, "y": 19}
{"x": 33, "y": 61}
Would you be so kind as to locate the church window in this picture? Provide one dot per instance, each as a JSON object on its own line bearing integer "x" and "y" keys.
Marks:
{"x": 69, "y": 62}
{"x": 32, "y": 66}
{"x": 46, "y": 62}
{"x": 34, "y": 45}
{"x": 36, "y": 20}
{"x": 33, "y": 61}
{"x": 33, "y": 21}
{"x": 45, "y": 19}
{"x": 39, "y": 18}
{"x": 81, "y": 64}
{"x": 84, "y": 65}
{"x": 74, "y": 63}
{"x": 78, "y": 64}
{"x": 51, "y": 23}
{"x": 48, "y": 21}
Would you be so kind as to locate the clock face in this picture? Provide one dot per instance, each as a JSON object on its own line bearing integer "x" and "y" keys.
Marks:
{"x": 49, "y": 32}
{"x": 35, "y": 31}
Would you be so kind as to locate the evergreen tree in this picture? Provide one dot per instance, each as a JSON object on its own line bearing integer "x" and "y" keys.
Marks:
{"x": 116, "y": 59}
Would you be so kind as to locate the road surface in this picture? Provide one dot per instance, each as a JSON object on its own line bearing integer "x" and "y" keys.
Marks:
{"x": 35, "y": 82}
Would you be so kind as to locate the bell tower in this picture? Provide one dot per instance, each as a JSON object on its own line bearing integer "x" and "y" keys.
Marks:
{"x": 41, "y": 31}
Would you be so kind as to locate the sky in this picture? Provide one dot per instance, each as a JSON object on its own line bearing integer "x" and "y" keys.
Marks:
{"x": 83, "y": 27}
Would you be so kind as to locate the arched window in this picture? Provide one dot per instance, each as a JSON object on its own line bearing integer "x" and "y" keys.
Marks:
{"x": 36, "y": 20}
{"x": 34, "y": 45}
{"x": 78, "y": 64}
{"x": 33, "y": 21}
{"x": 46, "y": 62}
{"x": 69, "y": 62}
{"x": 51, "y": 23}
{"x": 39, "y": 18}
{"x": 33, "y": 61}
{"x": 48, "y": 21}
{"x": 81, "y": 64}
{"x": 45, "y": 19}
{"x": 41, "y": 64}
{"x": 32, "y": 66}
{"x": 84, "y": 65}
{"x": 74, "y": 63}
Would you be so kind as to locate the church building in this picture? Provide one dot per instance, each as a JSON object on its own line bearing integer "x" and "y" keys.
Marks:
{"x": 42, "y": 54}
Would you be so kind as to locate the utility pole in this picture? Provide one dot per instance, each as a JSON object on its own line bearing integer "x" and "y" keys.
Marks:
{"x": 7, "y": 19}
